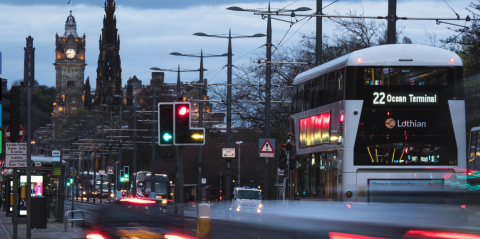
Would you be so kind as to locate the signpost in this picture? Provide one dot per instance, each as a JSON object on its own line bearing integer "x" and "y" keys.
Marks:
{"x": 204, "y": 181}
{"x": 16, "y": 155}
{"x": 109, "y": 169}
{"x": 267, "y": 148}
{"x": 228, "y": 152}
{"x": 101, "y": 172}
{"x": 20, "y": 134}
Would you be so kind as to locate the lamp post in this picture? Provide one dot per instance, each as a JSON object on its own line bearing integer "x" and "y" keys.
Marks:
{"x": 200, "y": 116}
{"x": 268, "y": 77}
{"x": 120, "y": 127}
{"x": 229, "y": 97}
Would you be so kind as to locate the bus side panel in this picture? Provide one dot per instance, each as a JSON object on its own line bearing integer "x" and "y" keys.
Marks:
{"x": 349, "y": 136}
{"x": 457, "y": 112}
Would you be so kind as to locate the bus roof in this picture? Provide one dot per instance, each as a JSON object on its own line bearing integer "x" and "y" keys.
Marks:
{"x": 475, "y": 128}
{"x": 386, "y": 55}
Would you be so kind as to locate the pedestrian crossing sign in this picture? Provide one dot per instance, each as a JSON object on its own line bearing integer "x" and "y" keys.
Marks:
{"x": 109, "y": 169}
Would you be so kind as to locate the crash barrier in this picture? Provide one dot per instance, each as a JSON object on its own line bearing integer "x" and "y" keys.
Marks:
{"x": 204, "y": 229}
{"x": 66, "y": 220}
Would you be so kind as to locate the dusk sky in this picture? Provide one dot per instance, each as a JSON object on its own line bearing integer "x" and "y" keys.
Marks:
{"x": 150, "y": 29}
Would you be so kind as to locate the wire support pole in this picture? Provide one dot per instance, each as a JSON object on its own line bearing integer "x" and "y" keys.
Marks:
{"x": 268, "y": 78}
{"x": 153, "y": 193}
{"x": 319, "y": 36}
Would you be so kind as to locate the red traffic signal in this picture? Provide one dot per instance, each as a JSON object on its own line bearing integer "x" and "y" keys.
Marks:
{"x": 183, "y": 111}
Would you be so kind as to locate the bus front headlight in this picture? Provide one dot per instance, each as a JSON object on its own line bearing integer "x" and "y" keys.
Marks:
{"x": 164, "y": 201}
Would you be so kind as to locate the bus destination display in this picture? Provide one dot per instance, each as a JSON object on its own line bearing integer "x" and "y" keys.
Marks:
{"x": 382, "y": 98}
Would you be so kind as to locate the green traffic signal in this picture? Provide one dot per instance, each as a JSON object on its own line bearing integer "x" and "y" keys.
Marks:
{"x": 167, "y": 137}
{"x": 126, "y": 176}
{"x": 122, "y": 180}
{"x": 68, "y": 184}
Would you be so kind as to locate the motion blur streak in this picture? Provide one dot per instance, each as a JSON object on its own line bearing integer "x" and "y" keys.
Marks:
{"x": 177, "y": 237}
{"x": 446, "y": 235}
{"x": 137, "y": 201}
{"x": 336, "y": 235}
{"x": 95, "y": 236}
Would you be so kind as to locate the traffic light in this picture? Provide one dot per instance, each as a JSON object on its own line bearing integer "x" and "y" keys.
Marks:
{"x": 283, "y": 157}
{"x": 183, "y": 134}
{"x": 126, "y": 170}
{"x": 14, "y": 109}
{"x": 165, "y": 124}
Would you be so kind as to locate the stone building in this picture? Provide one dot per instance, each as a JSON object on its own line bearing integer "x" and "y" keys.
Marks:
{"x": 109, "y": 71}
{"x": 69, "y": 67}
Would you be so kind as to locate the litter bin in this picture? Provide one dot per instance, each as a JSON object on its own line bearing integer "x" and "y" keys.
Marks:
{"x": 39, "y": 211}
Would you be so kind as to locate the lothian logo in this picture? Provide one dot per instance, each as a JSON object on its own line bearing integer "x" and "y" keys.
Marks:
{"x": 390, "y": 123}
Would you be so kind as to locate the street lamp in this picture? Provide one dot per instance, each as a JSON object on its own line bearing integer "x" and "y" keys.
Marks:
{"x": 200, "y": 116}
{"x": 239, "y": 143}
{"x": 229, "y": 95}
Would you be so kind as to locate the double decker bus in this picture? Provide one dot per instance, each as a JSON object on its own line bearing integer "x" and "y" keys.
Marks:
{"x": 385, "y": 118}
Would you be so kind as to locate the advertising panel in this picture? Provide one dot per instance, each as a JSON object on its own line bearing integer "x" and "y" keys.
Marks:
{"x": 404, "y": 191}
{"x": 315, "y": 130}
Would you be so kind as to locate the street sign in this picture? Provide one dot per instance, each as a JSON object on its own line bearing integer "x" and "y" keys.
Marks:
{"x": 109, "y": 169}
{"x": 16, "y": 161}
{"x": 56, "y": 153}
{"x": 134, "y": 174}
{"x": 101, "y": 172}
{"x": 267, "y": 148}
{"x": 38, "y": 164}
{"x": 281, "y": 172}
{"x": 204, "y": 181}
{"x": 228, "y": 152}
{"x": 20, "y": 133}
{"x": 16, "y": 148}
{"x": 16, "y": 155}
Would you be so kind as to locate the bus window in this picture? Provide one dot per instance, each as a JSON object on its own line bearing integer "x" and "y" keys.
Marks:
{"x": 300, "y": 98}
{"x": 306, "y": 97}
{"x": 295, "y": 98}
{"x": 473, "y": 144}
{"x": 478, "y": 146}
{"x": 321, "y": 90}
{"x": 314, "y": 94}
{"x": 331, "y": 87}
{"x": 340, "y": 79}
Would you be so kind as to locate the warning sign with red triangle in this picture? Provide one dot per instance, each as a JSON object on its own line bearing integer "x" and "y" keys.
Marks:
{"x": 267, "y": 148}
{"x": 109, "y": 169}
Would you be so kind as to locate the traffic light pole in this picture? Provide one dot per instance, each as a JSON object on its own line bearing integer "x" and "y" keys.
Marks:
{"x": 228, "y": 179}
{"x": 110, "y": 154}
{"x": 180, "y": 184}
{"x": 135, "y": 145}
{"x": 200, "y": 124}
{"x": 95, "y": 162}
{"x": 102, "y": 166}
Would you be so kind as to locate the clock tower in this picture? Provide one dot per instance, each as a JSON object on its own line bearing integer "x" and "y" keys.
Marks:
{"x": 70, "y": 67}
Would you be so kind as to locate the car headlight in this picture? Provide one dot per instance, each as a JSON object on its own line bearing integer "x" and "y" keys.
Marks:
{"x": 84, "y": 192}
{"x": 164, "y": 201}
{"x": 260, "y": 205}
{"x": 112, "y": 195}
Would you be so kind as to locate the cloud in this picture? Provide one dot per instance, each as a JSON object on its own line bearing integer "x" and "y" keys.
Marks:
{"x": 149, "y": 35}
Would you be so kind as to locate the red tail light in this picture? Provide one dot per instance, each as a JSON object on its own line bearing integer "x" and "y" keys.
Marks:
{"x": 137, "y": 201}
{"x": 95, "y": 236}
{"x": 438, "y": 235}
{"x": 342, "y": 118}
{"x": 337, "y": 235}
{"x": 177, "y": 237}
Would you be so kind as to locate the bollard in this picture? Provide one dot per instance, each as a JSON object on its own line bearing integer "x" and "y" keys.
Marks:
{"x": 204, "y": 229}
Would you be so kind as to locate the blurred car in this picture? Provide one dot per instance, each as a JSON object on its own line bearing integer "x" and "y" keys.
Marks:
{"x": 136, "y": 218}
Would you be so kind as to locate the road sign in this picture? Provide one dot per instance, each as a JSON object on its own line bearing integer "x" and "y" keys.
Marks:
{"x": 38, "y": 164}
{"x": 109, "y": 169}
{"x": 267, "y": 148}
{"x": 134, "y": 174}
{"x": 228, "y": 153}
{"x": 15, "y": 161}
{"x": 101, "y": 172}
{"x": 16, "y": 148}
{"x": 16, "y": 155}
{"x": 56, "y": 153}
{"x": 20, "y": 133}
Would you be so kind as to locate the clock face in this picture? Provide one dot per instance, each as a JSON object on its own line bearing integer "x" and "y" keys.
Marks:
{"x": 70, "y": 53}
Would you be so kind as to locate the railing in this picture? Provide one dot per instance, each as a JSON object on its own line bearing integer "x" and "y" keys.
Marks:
{"x": 66, "y": 220}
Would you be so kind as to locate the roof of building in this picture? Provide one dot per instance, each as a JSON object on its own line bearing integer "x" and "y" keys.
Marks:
{"x": 70, "y": 26}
